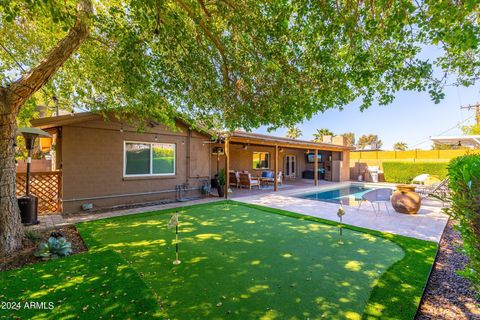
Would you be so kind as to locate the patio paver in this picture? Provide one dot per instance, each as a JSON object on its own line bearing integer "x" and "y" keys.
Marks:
{"x": 427, "y": 224}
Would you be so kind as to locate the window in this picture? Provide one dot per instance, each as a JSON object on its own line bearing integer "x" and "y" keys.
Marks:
{"x": 261, "y": 160}
{"x": 144, "y": 159}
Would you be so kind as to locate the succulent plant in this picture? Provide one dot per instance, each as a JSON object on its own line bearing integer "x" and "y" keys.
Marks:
{"x": 54, "y": 248}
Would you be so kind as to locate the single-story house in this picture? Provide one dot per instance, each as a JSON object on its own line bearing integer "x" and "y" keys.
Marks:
{"x": 109, "y": 163}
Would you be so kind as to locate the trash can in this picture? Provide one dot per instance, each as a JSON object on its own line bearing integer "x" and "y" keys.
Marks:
{"x": 28, "y": 209}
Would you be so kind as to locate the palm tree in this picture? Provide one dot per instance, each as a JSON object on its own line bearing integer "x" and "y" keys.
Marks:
{"x": 400, "y": 146}
{"x": 349, "y": 138}
{"x": 371, "y": 140}
{"x": 293, "y": 133}
{"x": 318, "y": 136}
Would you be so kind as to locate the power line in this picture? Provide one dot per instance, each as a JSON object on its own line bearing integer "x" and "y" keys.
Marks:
{"x": 443, "y": 132}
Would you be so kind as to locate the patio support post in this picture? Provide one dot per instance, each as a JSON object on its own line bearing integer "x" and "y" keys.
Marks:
{"x": 275, "y": 170}
{"x": 315, "y": 168}
{"x": 227, "y": 165}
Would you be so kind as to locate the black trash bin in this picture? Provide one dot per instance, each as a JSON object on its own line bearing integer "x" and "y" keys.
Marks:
{"x": 28, "y": 209}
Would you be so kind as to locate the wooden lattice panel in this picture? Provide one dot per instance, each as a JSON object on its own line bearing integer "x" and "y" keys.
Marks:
{"x": 46, "y": 186}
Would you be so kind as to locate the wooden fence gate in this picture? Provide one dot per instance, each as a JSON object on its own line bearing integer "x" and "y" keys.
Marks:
{"x": 46, "y": 186}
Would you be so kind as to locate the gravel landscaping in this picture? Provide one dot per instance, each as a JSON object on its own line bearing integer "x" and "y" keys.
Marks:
{"x": 448, "y": 295}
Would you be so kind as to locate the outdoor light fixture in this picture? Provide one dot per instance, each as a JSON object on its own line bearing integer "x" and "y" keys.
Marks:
{"x": 29, "y": 204}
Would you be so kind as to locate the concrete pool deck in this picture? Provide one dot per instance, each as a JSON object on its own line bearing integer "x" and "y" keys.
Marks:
{"x": 427, "y": 224}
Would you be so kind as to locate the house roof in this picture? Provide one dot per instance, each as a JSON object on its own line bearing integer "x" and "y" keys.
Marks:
{"x": 236, "y": 136}
{"x": 469, "y": 141}
{"x": 263, "y": 139}
{"x": 58, "y": 121}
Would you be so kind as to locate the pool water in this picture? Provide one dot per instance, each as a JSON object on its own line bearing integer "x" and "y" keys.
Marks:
{"x": 350, "y": 195}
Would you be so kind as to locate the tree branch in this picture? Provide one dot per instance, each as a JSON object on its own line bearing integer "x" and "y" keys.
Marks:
{"x": 216, "y": 42}
{"x": 23, "y": 88}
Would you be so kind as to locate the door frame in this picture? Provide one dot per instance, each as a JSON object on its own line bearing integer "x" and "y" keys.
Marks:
{"x": 295, "y": 166}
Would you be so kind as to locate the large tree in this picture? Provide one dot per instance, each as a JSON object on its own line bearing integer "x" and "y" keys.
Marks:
{"x": 238, "y": 63}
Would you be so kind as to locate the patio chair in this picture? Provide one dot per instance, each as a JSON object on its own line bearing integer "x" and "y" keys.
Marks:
{"x": 267, "y": 176}
{"x": 234, "y": 178}
{"x": 381, "y": 195}
{"x": 438, "y": 190}
{"x": 247, "y": 181}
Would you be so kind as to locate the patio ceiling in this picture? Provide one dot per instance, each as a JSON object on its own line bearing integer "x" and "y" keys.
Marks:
{"x": 266, "y": 140}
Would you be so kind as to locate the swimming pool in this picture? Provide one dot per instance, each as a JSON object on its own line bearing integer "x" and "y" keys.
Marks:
{"x": 348, "y": 195}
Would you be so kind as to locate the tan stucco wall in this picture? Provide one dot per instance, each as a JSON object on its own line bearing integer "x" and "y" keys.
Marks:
{"x": 92, "y": 164}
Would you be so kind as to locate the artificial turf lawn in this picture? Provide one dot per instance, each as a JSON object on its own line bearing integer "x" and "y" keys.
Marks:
{"x": 238, "y": 261}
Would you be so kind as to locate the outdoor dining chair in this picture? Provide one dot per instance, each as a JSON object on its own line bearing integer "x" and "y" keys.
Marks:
{"x": 381, "y": 195}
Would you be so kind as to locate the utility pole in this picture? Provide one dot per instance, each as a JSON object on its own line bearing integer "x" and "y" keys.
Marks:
{"x": 477, "y": 111}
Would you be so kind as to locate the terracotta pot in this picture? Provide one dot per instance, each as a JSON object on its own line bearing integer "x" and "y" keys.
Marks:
{"x": 406, "y": 200}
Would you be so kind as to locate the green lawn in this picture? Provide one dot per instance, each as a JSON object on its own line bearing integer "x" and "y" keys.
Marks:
{"x": 238, "y": 262}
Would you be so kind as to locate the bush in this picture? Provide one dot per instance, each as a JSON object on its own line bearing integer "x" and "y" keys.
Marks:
{"x": 404, "y": 172}
{"x": 464, "y": 183}
{"x": 221, "y": 177}
{"x": 56, "y": 246}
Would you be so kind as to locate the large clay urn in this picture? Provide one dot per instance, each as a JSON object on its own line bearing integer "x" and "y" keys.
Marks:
{"x": 406, "y": 200}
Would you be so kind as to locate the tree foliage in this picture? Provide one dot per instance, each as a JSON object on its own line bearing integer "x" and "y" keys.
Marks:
{"x": 400, "y": 146}
{"x": 239, "y": 63}
{"x": 293, "y": 133}
{"x": 370, "y": 140}
{"x": 349, "y": 138}
{"x": 318, "y": 136}
{"x": 473, "y": 129}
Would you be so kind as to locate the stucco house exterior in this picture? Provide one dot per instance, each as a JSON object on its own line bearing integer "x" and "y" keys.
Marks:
{"x": 107, "y": 163}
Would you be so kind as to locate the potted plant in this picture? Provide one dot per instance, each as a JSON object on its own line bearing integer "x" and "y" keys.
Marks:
{"x": 221, "y": 183}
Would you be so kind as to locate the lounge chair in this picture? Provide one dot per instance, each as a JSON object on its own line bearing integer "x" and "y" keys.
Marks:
{"x": 381, "y": 195}
{"x": 234, "y": 178}
{"x": 438, "y": 190}
{"x": 247, "y": 181}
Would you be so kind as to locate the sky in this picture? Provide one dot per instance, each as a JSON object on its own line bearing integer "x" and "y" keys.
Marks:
{"x": 412, "y": 117}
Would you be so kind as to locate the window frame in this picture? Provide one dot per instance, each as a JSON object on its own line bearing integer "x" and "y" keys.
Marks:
{"x": 151, "y": 174}
{"x": 268, "y": 161}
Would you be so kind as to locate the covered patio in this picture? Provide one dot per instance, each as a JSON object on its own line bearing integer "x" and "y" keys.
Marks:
{"x": 293, "y": 162}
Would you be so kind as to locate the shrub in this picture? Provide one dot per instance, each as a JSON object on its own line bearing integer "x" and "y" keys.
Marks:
{"x": 33, "y": 236}
{"x": 464, "y": 183}
{"x": 56, "y": 246}
{"x": 221, "y": 177}
{"x": 404, "y": 172}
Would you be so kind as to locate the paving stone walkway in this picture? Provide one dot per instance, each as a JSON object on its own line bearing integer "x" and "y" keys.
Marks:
{"x": 57, "y": 220}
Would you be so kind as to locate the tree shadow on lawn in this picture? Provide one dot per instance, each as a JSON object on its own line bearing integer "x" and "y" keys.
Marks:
{"x": 87, "y": 286}
{"x": 240, "y": 261}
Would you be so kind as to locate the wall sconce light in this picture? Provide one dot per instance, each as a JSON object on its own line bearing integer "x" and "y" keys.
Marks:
{"x": 121, "y": 128}
{"x": 156, "y": 138}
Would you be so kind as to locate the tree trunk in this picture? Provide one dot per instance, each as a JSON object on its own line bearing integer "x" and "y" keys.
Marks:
{"x": 12, "y": 98}
{"x": 11, "y": 229}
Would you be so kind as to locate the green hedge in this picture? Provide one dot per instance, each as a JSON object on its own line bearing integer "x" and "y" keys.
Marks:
{"x": 404, "y": 172}
{"x": 464, "y": 183}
